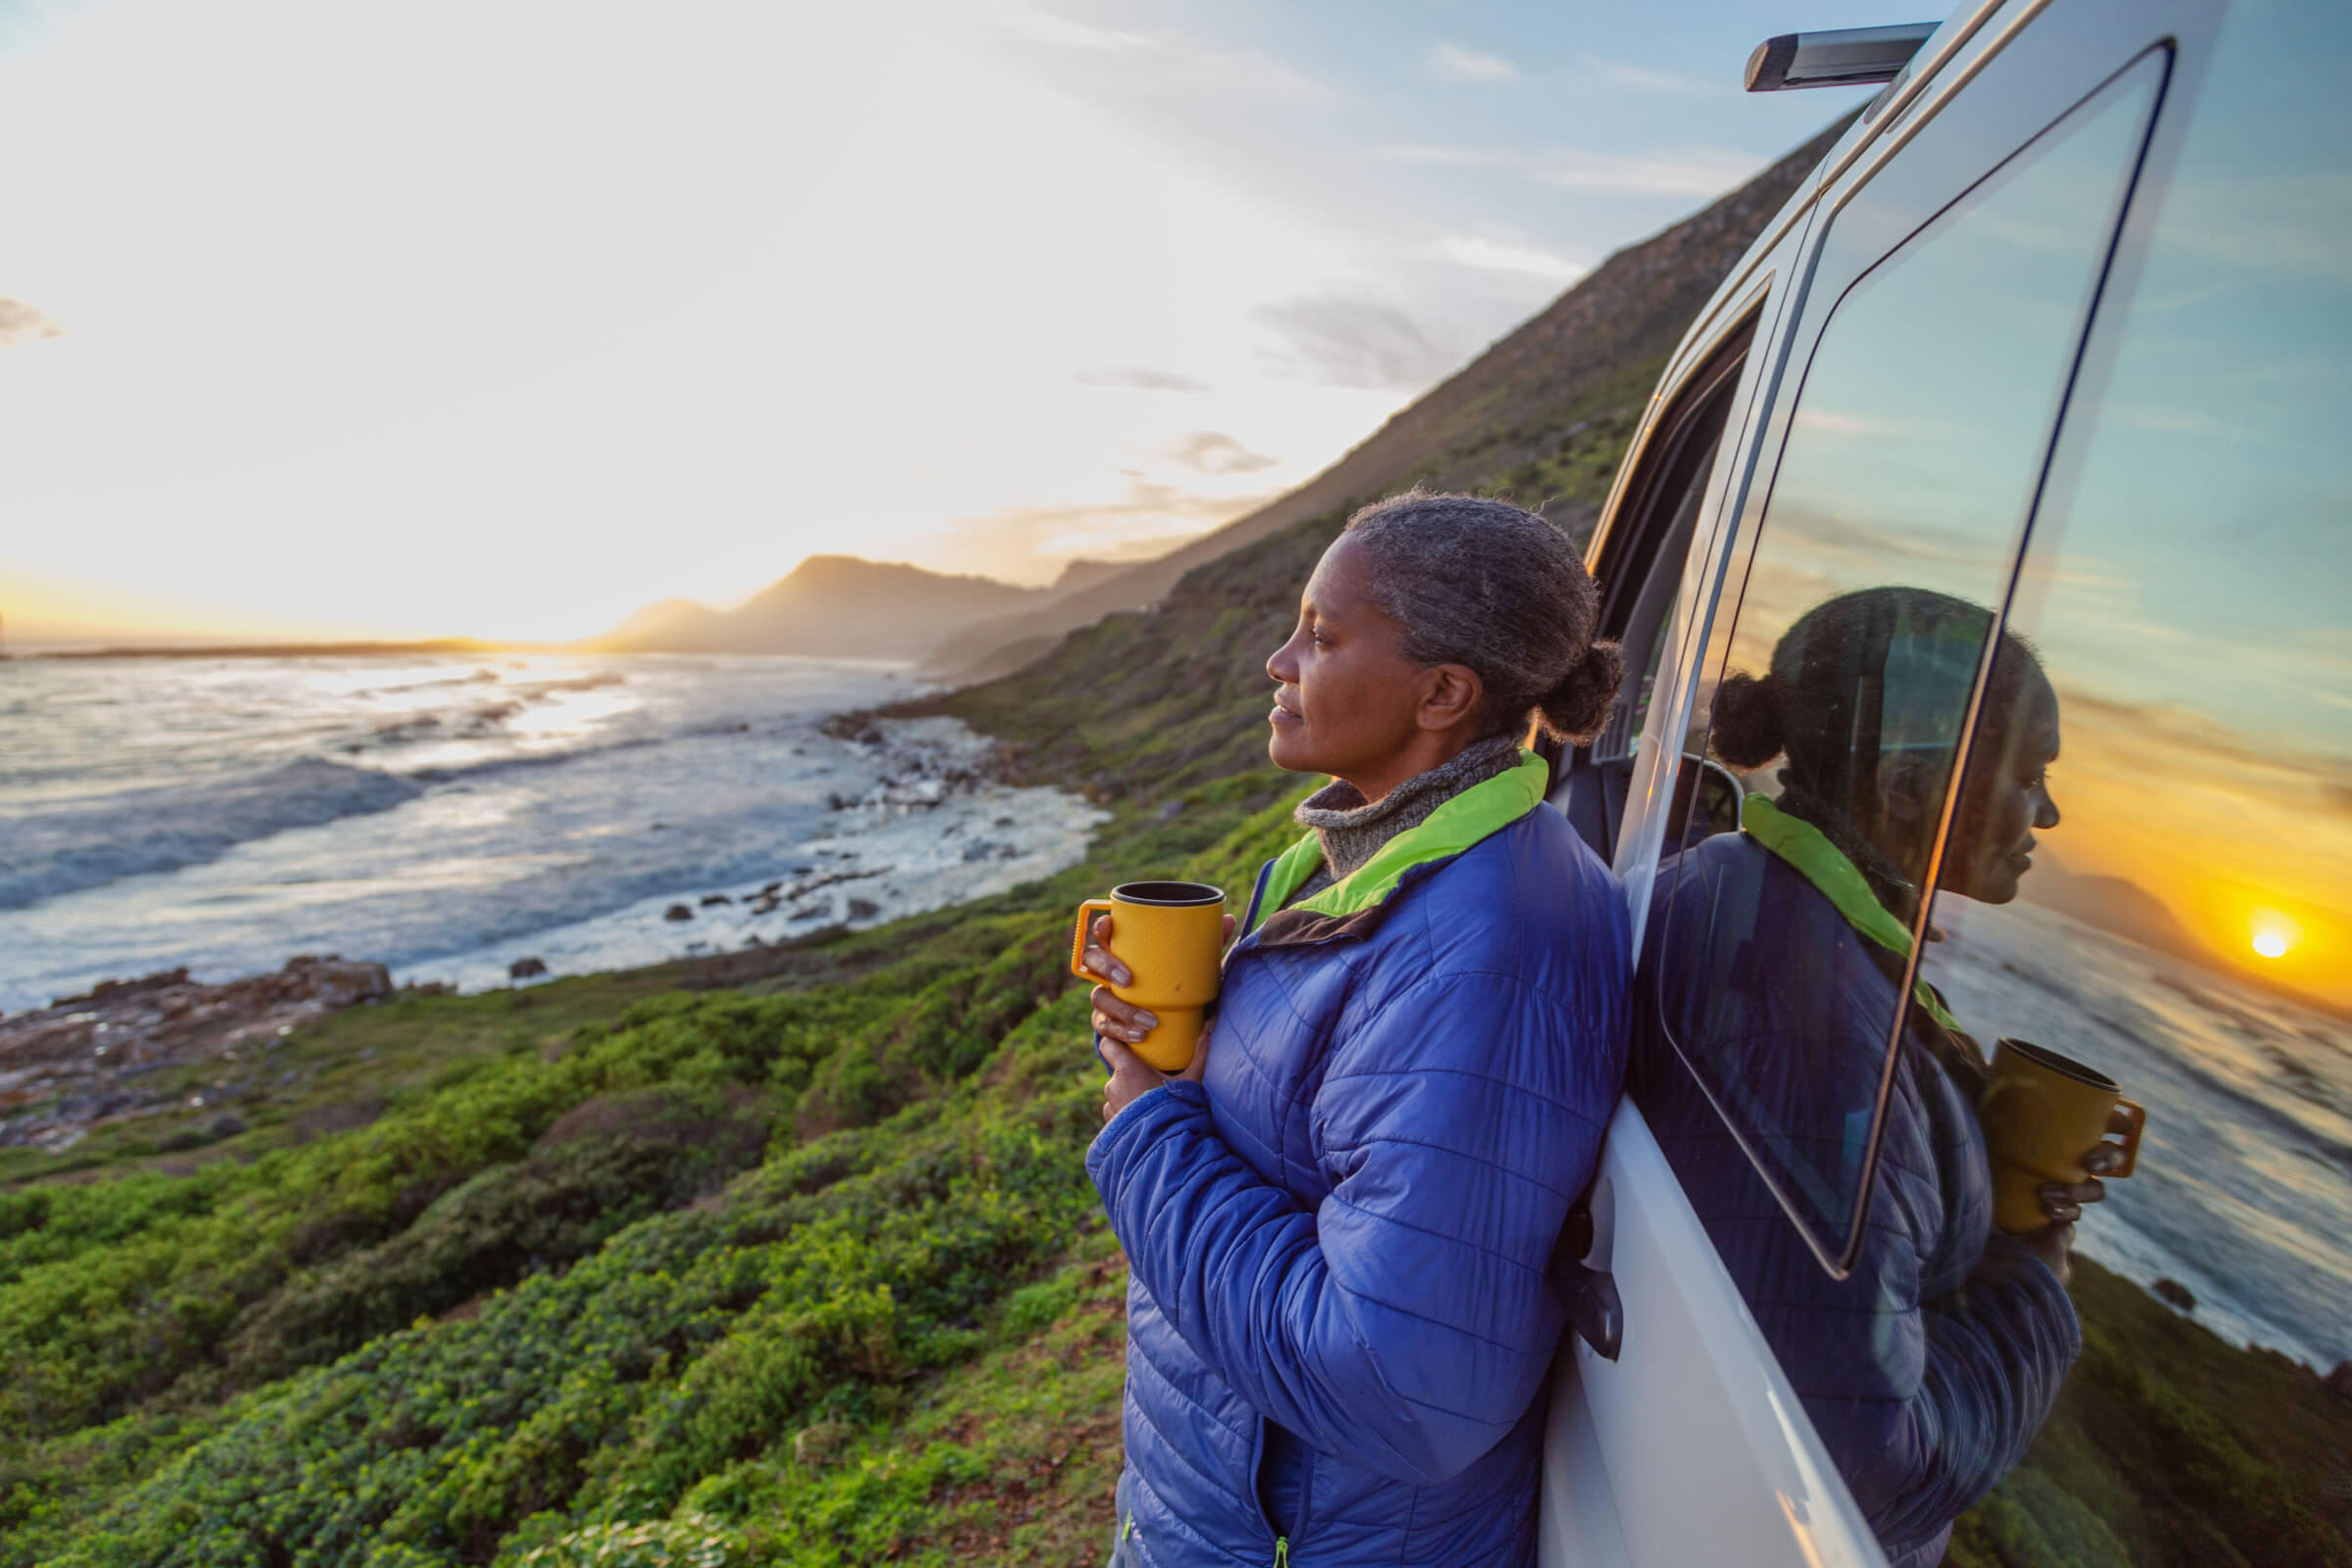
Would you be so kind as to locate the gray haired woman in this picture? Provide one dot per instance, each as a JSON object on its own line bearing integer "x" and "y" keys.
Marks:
{"x": 1340, "y": 1215}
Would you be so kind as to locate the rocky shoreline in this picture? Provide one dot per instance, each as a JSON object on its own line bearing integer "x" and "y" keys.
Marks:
{"x": 100, "y": 1057}
{"x": 90, "y": 1059}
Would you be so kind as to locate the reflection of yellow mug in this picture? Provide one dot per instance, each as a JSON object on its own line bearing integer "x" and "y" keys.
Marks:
{"x": 1169, "y": 936}
{"x": 2041, "y": 1113}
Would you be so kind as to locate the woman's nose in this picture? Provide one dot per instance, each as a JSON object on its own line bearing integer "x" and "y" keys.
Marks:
{"x": 1282, "y": 665}
{"x": 2045, "y": 811}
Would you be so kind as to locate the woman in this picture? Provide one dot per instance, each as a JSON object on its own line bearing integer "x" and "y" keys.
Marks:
{"x": 1778, "y": 951}
{"x": 1339, "y": 1217}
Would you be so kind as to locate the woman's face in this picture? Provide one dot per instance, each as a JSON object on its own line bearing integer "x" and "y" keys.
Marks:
{"x": 1347, "y": 701}
{"x": 2004, "y": 796}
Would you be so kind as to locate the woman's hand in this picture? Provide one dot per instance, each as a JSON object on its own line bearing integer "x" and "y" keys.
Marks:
{"x": 2063, "y": 1200}
{"x": 1119, "y": 1024}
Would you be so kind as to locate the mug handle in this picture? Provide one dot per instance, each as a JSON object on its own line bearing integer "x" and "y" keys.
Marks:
{"x": 2140, "y": 1121}
{"x": 1078, "y": 937}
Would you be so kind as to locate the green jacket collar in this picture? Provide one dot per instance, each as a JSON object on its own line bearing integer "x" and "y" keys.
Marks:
{"x": 1476, "y": 814}
{"x": 1807, "y": 851}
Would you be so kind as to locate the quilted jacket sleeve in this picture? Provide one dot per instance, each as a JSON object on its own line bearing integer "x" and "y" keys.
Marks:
{"x": 1991, "y": 1360}
{"x": 1406, "y": 1322}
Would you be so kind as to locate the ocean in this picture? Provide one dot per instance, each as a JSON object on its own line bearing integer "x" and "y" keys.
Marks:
{"x": 2244, "y": 1191}
{"x": 449, "y": 814}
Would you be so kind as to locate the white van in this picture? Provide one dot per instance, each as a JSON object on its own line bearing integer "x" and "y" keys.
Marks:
{"x": 2021, "y": 440}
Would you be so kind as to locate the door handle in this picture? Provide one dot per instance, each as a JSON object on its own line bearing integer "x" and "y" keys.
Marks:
{"x": 1580, "y": 1271}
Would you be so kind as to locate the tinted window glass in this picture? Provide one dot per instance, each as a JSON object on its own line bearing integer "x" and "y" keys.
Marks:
{"x": 2181, "y": 914}
{"x": 1916, "y": 447}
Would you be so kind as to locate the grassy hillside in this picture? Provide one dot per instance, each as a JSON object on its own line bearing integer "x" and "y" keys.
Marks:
{"x": 799, "y": 1264}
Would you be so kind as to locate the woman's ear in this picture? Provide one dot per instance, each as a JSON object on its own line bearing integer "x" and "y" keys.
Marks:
{"x": 1450, "y": 695}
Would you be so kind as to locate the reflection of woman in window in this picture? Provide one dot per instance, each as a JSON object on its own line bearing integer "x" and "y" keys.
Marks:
{"x": 1339, "y": 1220}
{"x": 1928, "y": 1370}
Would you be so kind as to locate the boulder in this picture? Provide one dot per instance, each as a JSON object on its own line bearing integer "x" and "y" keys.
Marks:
{"x": 863, "y": 909}
{"x": 523, "y": 968}
{"x": 709, "y": 899}
{"x": 2179, "y": 1295}
{"x": 677, "y": 912}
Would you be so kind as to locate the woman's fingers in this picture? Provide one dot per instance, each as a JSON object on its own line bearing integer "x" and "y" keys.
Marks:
{"x": 2063, "y": 1200}
{"x": 1131, "y": 1077}
{"x": 2105, "y": 1157}
{"x": 1121, "y": 1021}
{"x": 1098, "y": 960}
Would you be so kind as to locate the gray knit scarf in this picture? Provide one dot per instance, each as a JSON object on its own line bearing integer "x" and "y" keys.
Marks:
{"x": 1353, "y": 832}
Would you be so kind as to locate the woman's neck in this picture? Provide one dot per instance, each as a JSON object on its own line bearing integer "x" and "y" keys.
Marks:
{"x": 1427, "y": 751}
{"x": 1352, "y": 829}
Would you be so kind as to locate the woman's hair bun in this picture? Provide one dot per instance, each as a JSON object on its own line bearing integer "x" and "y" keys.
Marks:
{"x": 1579, "y": 706}
{"x": 1746, "y": 731}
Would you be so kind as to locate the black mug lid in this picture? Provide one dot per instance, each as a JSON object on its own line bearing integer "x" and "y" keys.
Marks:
{"x": 1179, "y": 894}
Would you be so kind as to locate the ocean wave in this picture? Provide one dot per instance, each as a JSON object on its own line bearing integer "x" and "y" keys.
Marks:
{"x": 166, "y": 829}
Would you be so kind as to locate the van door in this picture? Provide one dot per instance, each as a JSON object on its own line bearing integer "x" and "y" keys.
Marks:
{"x": 1890, "y": 432}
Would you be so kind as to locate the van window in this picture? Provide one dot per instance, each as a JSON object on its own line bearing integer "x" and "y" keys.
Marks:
{"x": 2161, "y": 884}
{"x": 1776, "y": 953}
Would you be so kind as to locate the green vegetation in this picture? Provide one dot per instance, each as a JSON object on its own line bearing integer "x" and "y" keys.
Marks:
{"x": 803, "y": 1273}
{"x": 632, "y": 1270}
{"x": 806, "y": 1271}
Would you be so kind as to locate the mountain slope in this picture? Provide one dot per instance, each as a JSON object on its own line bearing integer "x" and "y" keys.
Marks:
{"x": 828, "y": 606}
{"x": 1543, "y": 414}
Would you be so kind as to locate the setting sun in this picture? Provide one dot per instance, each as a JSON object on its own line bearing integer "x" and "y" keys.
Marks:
{"x": 2275, "y": 935}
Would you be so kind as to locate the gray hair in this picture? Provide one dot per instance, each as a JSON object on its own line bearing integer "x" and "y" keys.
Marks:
{"x": 1481, "y": 583}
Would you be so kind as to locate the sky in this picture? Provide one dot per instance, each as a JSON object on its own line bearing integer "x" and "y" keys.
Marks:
{"x": 506, "y": 317}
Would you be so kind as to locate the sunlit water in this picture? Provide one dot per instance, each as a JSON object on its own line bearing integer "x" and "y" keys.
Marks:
{"x": 448, "y": 815}
{"x": 2244, "y": 1191}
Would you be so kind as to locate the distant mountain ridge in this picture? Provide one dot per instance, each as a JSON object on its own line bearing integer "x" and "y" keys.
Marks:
{"x": 838, "y": 606}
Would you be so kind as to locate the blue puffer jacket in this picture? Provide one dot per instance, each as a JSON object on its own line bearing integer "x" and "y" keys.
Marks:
{"x": 1339, "y": 1242}
{"x": 1928, "y": 1370}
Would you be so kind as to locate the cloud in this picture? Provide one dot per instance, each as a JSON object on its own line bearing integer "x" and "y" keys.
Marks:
{"x": 1664, "y": 82}
{"x": 1504, "y": 256}
{"x": 1137, "y": 378}
{"x": 21, "y": 323}
{"x": 1705, "y": 171}
{"x": 1695, "y": 171}
{"x": 1151, "y": 519}
{"x": 1357, "y": 343}
{"x": 1060, "y": 32}
{"x": 1214, "y": 453}
{"x": 1469, "y": 65}
{"x": 1125, "y": 63}
{"x": 1449, "y": 157}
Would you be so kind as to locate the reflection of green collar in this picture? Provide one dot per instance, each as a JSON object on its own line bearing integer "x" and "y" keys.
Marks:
{"x": 1481, "y": 810}
{"x": 1807, "y": 851}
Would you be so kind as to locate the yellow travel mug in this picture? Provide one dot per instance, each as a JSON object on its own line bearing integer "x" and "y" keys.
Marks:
{"x": 2041, "y": 1113}
{"x": 1170, "y": 935}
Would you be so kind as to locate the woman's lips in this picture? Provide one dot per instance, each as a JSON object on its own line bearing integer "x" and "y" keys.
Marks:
{"x": 1282, "y": 714}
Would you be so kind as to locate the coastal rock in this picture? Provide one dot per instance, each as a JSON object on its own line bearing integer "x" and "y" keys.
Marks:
{"x": 67, "y": 1067}
{"x": 2179, "y": 1295}
{"x": 709, "y": 899}
{"x": 863, "y": 909}
{"x": 523, "y": 968}
{"x": 678, "y": 912}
